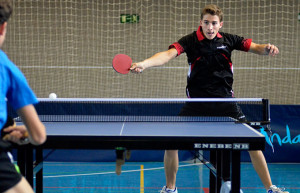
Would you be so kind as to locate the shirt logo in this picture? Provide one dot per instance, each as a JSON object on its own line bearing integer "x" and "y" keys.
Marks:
{"x": 221, "y": 47}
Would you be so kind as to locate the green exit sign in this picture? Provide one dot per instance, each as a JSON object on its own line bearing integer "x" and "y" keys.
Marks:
{"x": 129, "y": 18}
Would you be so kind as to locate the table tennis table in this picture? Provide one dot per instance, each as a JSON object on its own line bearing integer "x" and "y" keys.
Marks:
{"x": 219, "y": 138}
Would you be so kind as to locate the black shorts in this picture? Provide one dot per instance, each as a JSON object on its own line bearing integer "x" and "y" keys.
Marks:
{"x": 9, "y": 177}
{"x": 213, "y": 109}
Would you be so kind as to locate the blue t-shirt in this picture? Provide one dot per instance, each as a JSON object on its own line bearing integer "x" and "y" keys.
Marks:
{"x": 14, "y": 88}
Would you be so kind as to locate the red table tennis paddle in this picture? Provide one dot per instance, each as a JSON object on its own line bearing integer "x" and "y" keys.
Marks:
{"x": 122, "y": 63}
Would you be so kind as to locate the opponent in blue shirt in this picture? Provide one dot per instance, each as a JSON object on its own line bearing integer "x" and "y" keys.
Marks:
{"x": 15, "y": 90}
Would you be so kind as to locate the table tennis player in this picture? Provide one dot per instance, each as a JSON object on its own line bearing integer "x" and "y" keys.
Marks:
{"x": 15, "y": 90}
{"x": 210, "y": 75}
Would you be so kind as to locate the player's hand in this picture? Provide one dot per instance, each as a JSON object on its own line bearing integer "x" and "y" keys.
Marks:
{"x": 137, "y": 68}
{"x": 271, "y": 50}
{"x": 16, "y": 134}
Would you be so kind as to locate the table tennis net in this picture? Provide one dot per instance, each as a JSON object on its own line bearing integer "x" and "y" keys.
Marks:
{"x": 150, "y": 110}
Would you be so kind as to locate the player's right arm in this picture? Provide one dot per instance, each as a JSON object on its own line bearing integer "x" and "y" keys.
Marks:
{"x": 157, "y": 59}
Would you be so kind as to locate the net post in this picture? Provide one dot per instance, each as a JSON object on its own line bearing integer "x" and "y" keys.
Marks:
{"x": 266, "y": 110}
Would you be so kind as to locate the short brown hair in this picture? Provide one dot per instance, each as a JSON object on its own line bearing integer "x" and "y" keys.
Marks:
{"x": 213, "y": 10}
{"x": 5, "y": 10}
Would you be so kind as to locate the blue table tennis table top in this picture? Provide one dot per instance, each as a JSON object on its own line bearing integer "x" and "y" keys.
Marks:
{"x": 151, "y": 135}
{"x": 175, "y": 129}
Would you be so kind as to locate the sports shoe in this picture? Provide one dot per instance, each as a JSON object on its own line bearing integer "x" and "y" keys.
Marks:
{"x": 167, "y": 190}
{"x": 226, "y": 187}
{"x": 274, "y": 189}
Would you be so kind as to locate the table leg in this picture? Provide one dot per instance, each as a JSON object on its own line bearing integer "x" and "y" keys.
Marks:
{"x": 212, "y": 177}
{"x": 225, "y": 173}
{"x": 219, "y": 169}
{"x": 39, "y": 173}
{"x": 235, "y": 171}
{"x": 29, "y": 165}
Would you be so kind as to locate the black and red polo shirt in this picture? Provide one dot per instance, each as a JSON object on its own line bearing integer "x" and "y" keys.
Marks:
{"x": 211, "y": 72}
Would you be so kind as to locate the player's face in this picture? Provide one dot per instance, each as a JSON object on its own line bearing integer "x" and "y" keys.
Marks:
{"x": 210, "y": 25}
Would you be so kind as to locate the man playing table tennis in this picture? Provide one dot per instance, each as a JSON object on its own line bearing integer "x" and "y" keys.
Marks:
{"x": 15, "y": 90}
{"x": 210, "y": 76}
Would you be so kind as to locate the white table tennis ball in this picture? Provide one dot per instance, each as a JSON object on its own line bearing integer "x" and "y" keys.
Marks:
{"x": 52, "y": 96}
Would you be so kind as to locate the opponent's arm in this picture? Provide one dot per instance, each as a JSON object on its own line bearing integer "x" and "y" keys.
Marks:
{"x": 32, "y": 124}
{"x": 36, "y": 129}
{"x": 264, "y": 49}
{"x": 158, "y": 59}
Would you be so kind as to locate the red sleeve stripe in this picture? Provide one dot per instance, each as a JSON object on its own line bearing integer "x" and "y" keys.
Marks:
{"x": 178, "y": 47}
{"x": 246, "y": 45}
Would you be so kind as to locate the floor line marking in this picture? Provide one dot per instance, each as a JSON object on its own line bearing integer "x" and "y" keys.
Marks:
{"x": 113, "y": 172}
{"x": 142, "y": 179}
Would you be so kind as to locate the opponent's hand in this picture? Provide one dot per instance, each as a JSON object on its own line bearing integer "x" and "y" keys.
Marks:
{"x": 16, "y": 134}
{"x": 271, "y": 50}
{"x": 137, "y": 68}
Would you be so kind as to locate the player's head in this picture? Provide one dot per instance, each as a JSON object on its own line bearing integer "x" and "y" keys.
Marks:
{"x": 211, "y": 21}
{"x": 5, "y": 12}
{"x": 212, "y": 10}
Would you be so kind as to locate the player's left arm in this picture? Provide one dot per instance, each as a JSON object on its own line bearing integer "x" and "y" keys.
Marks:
{"x": 16, "y": 134}
{"x": 264, "y": 49}
{"x": 32, "y": 124}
